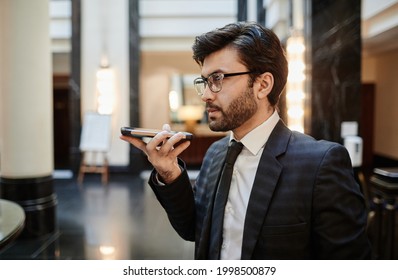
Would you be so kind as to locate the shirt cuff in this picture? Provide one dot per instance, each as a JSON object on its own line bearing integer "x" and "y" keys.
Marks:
{"x": 159, "y": 182}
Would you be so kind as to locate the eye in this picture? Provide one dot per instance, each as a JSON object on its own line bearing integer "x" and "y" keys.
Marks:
{"x": 217, "y": 77}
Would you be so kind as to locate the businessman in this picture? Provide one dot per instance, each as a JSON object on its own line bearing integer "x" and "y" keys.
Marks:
{"x": 289, "y": 195}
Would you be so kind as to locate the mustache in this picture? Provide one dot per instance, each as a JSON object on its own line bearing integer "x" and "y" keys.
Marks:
{"x": 212, "y": 106}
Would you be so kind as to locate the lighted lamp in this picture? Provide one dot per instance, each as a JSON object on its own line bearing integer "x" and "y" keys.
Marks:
{"x": 295, "y": 85}
{"x": 105, "y": 90}
{"x": 190, "y": 115}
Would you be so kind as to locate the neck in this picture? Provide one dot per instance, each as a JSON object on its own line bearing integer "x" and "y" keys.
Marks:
{"x": 252, "y": 123}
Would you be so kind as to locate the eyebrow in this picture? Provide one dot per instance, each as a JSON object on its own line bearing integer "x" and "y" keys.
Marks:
{"x": 214, "y": 72}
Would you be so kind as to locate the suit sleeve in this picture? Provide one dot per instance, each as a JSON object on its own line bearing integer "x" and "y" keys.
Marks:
{"x": 340, "y": 216}
{"x": 178, "y": 200}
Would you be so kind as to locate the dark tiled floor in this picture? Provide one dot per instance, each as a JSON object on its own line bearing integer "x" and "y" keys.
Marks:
{"x": 121, "y": 221}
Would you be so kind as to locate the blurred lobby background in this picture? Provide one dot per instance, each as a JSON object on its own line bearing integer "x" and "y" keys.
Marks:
{"x": 67, "y": 64}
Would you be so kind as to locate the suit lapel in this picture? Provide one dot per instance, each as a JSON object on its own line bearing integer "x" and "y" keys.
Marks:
{"x": 212, "y": 181}
{"x": 264, "y": 185}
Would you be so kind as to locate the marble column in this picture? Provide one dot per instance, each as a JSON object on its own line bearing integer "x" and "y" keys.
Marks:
{"x": 74, "y": 87}
{"x": 26, "y": 155}
{"x": 138, "y": 161}
{"x": 242, "y": 10}
{"x": 335, "y": 66}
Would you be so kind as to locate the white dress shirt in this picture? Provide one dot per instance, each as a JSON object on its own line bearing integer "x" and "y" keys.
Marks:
{"x": 245, "y": 169}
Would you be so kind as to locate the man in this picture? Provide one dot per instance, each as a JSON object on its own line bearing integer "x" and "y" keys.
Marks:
{"x": 291, "y": 197}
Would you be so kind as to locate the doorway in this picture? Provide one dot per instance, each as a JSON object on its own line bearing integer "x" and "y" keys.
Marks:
{"x": 61, "y": 121}
{"x": 367, "y": 125}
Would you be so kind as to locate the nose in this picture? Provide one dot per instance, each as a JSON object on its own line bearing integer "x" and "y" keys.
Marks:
{"x": 207, "y": 95}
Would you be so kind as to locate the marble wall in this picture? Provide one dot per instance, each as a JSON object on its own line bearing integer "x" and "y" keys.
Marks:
{"x": 335, "y": 59}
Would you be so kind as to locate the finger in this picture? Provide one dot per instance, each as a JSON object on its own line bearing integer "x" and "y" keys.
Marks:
{"x": 169, "y": 145}
{"x": 167, "y": 127}
{"x": 138, "y": 143}
{"x": 180, "y": 148}
{"x": 158, "y": 140}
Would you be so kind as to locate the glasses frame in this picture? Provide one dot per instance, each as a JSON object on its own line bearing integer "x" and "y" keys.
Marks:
{"x": 205, "y": 81}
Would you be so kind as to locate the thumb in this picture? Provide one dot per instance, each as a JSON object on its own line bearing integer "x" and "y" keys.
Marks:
{"x": 166, "y": 126}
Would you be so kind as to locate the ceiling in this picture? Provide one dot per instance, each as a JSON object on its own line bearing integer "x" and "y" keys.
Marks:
{"x": 379, "y": 26}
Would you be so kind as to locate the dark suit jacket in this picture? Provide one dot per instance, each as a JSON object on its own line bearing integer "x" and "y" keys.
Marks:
{"x": 305, "y": 202}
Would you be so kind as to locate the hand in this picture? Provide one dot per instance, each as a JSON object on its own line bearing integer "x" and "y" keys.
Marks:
{"x": 161, "y": 152}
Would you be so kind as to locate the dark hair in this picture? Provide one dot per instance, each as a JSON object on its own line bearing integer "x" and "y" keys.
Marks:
{"x": 259, "y": 49}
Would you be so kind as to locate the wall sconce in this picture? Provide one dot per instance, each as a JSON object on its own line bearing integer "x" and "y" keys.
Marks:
{"x": 174, "y": 101}
{"x": 174, "y": 104}
{"x": 176, "y": 98}
{"x": 105, "y": 89}
{"x": 190, "y": 114}
{"x": 295, "y": 82}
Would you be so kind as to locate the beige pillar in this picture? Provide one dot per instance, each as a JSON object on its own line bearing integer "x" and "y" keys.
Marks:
{"x": 26, "y": 155}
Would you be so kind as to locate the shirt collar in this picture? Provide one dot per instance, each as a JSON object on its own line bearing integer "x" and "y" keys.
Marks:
{"x": 258, "y": 137}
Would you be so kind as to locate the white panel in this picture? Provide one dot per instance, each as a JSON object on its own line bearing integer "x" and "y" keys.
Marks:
{"x": 267, "y": 3}
{"x": 166, "y": 44}
{"x": 60, "y": 28}
{"x": 187, "y": 8}
{"x": 277, "y": 11}
{"x": 277, "y": 17}
{"x": 252, "y": 10}
{"x": 176, "y": 27}
{"x": 60, "y": 9}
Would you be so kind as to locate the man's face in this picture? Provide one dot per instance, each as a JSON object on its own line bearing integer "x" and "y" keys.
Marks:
{"x": 235, "y": 104}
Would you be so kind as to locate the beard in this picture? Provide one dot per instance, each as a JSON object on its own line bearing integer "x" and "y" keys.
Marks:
{"x": 238, "y": 112}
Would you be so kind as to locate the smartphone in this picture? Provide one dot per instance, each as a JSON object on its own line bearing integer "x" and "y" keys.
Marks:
{"x": 145, "y": 132}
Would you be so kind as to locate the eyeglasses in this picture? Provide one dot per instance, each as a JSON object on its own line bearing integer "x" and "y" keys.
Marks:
{"x": 214, "y": 81}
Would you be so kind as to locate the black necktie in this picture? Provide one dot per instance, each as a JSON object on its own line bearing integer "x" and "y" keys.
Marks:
{"x": 221, "y": 199}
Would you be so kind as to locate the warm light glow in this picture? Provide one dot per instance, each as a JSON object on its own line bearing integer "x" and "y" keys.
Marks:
{"x": 295, "y": 112}
{"x": 296, "y": 46}
{"x": 297, "y": 127}
{"x": 295, "y": 94}
{"x": 105, "y": 90}
{"x": 296, "y": 71}
{"x": 190, "y": 112}
{"x": 106, "y": 250}
{"x": 174, "y": 101}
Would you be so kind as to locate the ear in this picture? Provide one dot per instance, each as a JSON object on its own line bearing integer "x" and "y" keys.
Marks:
{"x": 265, "y": 84}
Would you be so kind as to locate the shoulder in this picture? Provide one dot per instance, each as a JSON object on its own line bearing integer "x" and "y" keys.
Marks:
{"x": 304, "y": 140}
{"x": 319, "y": 152}
{"x": 283, "y": 140}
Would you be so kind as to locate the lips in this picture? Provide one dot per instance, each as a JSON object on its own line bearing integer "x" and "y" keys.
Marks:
{"x": 212, "y": 109}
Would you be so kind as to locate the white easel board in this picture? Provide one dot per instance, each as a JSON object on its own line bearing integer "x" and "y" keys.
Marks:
{"x": 96, "y": 133}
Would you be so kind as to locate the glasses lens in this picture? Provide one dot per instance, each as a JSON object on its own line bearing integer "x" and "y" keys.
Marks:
{"x": 199, "y": 85}
{"x": 215, "y": 82}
